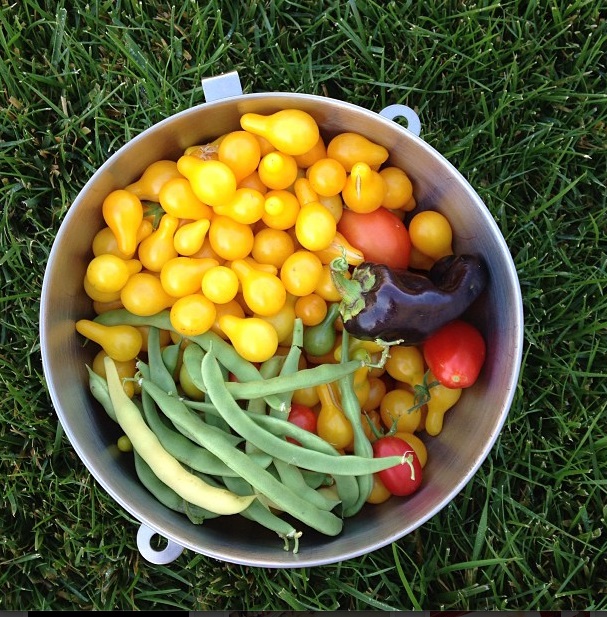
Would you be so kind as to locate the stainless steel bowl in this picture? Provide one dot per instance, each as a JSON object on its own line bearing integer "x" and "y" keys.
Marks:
{"x": 470, "y": 429}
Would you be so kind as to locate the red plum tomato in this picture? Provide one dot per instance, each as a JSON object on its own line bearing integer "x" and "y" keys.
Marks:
{"x": 455, "y": 354}
{"x": 380, "y": 235}
{"x": 404, "y": 479}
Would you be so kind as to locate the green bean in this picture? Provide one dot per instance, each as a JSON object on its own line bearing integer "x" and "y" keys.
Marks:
{"x": 286, "y": 383}
{"x": 362, "y": 445}
{"x": 244, "y": 425}
{"x": 118, "y": 317}
{"x": 99, "y": 390}
{"x": 192, "y": 359}
{"x": 290, "y": 367}
{"x": 315, "y": 479}
{"x": 167, "y": 496}
{"x": 258, "y": 477}
{"x": 166, "y": 467}
{"x": 261, "y": 514}
{"x": 292, "y": 477}
{"x": 170, "y": 357}
{"x": 183, "y": 449}
{"x": 159, "y": 372}
{"x": 269, "y": 368}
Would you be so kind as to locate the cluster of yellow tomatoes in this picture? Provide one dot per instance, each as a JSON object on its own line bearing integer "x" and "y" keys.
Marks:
{"x": 248, "y": 227}
{"x": 237, "y": 235}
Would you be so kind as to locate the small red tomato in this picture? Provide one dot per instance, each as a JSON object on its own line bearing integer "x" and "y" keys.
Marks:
{"x": 402, "y": 479}
{"x": 455, "y": 354}
{"x": 302, "y": 416}
{"x": 380, "y": 235}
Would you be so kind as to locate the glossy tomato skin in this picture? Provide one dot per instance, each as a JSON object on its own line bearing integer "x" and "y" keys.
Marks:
{"x": 455, "y": 354}
{"x": 304, "y": 417}
{"x": 404, "y": 479}
{"x": 380, "y": 235}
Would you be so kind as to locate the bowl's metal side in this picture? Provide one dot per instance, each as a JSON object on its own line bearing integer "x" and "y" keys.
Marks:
{"x": 469, "y": 432}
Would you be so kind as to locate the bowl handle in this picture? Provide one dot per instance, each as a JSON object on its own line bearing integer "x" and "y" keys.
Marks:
{"x": 162, "y": 557}
{"x": 402, "y": 111}
{"x": 221, "y": 86}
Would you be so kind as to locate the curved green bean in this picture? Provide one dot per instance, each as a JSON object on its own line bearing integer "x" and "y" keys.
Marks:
{"x": 258, "y": 477}
{"x": 292, "y": 477}
{"x": 362, "y": 446}
{"x": 245, "y": 425}
{"x": 259, "y": 513}
{"x": 181, "y": 447}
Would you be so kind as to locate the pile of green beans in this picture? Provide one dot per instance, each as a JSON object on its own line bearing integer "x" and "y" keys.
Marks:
{"x": 228, "y": 452}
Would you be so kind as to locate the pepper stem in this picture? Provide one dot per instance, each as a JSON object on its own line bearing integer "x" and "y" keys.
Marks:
{"x": 350, "y": 289}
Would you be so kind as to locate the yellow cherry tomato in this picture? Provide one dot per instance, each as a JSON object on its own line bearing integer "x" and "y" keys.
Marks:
{"x": 379, "y": 493}
{"x": 364, "y": 189}
{"x": 291, "y": 131}
{"x": 144, "y": 295}
{"x": 241, "y": 152}
{"x": 246, "y": 206}
{"x": 108, "y": 273}
{"x": 377, "y": 391}
{"x": 315, "y": 227}
{"x": 441, "y": 400}
{"x": 327, "y": 177}
{"x": 326, "y": 288}
{"x": 397, "y": 406}
{"x": 316, "y": 152}
{"x": 253, "y": 181}
{"x": 189, "y": 237}
{"x": 229, "y": 238}
{"x": 332, "y": 424}
{"x": 301, "y": 272}
{"x": 122, "y": 343}
{"x": 431, "y": 234}
{"x": 350, "y": 148}
{"x": 334, "y": 204}
{"x": 182, "y": 276}
{"x": 178, "y": 199}
{"x": 417, "y": 444}
{"x": 277, "y": 170}
{"x": 311, "y": 309}
{"x": 264, "y": 293}
{"x": 155, "y": 176}
{"x": 126, "y": 371}
{"x": 272, "y": 246}
{"x": 281, "y": 209}
{"x": 406, "y": 363}
{"x": 192, "y": 315}
{"x": 253, "y": 338}
{"x": 220, "y": 284}
{"x": 123, "y": 213}
{"x": 399, "y": 189}
{"x": 99, "y": 296}
{"x": 213, "y": 182}
{"x": 232, "y": 307}
{"x": 282, "y": 321}
{"x": 159, "y": 246}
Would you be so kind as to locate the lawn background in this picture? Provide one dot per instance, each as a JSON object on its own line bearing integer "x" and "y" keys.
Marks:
{"x": 513, "y": 94}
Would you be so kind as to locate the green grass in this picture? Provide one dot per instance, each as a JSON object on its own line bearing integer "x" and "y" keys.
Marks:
{"x": 513, "y": 93}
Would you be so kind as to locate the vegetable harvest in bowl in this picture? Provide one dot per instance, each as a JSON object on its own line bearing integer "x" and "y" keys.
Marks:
{"x": 280, "y": 328}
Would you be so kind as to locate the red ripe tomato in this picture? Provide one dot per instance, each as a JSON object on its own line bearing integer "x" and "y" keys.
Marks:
{"x": 380, "y": 235}
{"x": 402, "y": 479}
{"x": 455, "y": 354}
{"x": 302, "y": 416}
